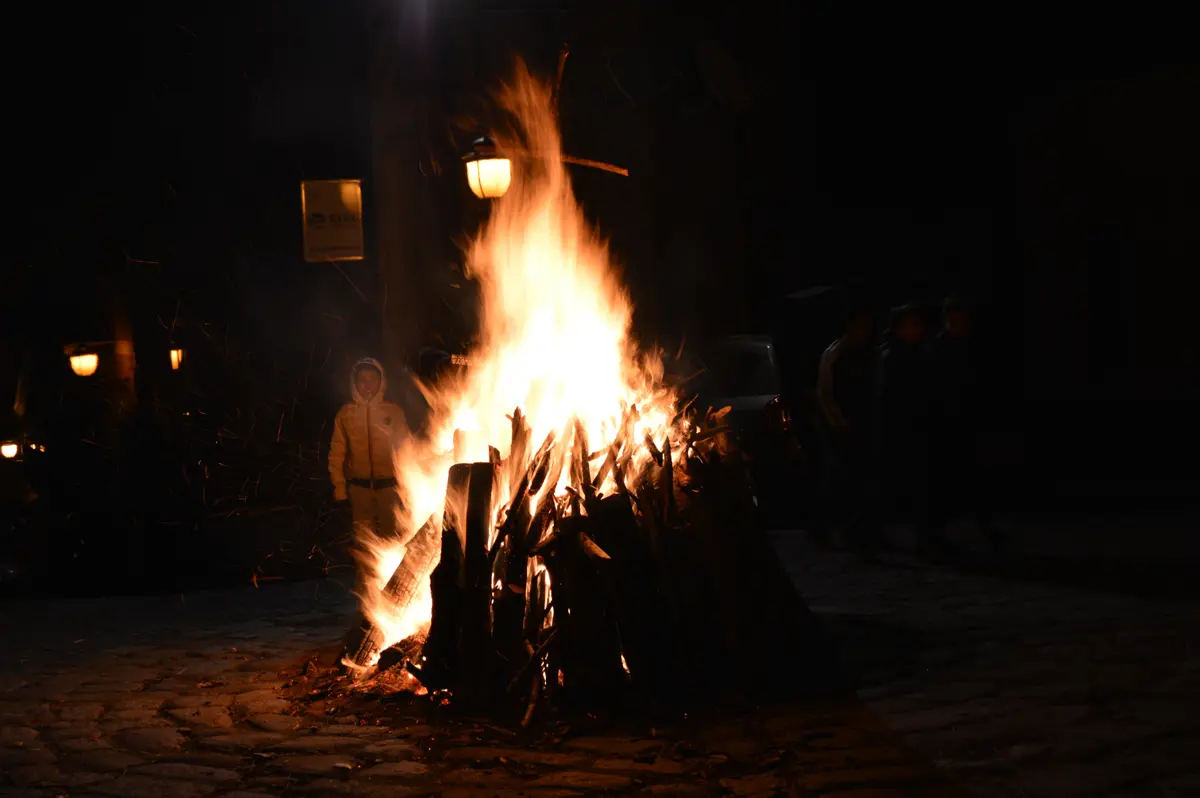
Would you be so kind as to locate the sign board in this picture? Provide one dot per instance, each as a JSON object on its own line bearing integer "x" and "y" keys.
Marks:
{"x": 332, "y": 220}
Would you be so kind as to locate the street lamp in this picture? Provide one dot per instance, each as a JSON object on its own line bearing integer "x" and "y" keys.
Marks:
{"x": 85, "y": 365}
{"x": 83, "y": 362}
{"x": 176, "y": 359}
{"x": 488, "y": 174}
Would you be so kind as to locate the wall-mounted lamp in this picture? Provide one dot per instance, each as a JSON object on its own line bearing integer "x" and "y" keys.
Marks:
{"x": 83, "y": 362}
{"x": 488, "y": 174}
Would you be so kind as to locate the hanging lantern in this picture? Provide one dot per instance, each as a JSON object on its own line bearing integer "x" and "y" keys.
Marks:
{"x": 176, "y": 359}
{"x": 84, "y": 364}
{"x": 488, "y": 174}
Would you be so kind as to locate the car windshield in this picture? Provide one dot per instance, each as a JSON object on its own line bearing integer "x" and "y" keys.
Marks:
{"x": 743, "y": 371}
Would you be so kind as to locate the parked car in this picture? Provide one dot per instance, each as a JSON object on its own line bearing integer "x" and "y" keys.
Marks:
{"x": 741, "y": 372}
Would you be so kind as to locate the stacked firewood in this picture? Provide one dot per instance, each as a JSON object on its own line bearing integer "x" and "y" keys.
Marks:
{"x": 662, "y": 589}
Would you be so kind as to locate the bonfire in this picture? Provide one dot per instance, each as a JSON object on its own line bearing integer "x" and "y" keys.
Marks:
{"x": 574, "y": 525}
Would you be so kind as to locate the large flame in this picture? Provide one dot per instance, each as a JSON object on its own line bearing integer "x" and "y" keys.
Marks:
{"x": 554, "y": 341}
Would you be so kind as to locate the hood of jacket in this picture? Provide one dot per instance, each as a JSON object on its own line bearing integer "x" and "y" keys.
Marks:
{"x": 378, "y": 397}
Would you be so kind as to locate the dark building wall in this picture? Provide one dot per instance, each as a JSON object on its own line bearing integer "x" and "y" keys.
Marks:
{"x": 1110, "y": 239}
{"x": 164, "y": 168}
{"x": 1108, "y": 245}
{"x": 638, "y": 91}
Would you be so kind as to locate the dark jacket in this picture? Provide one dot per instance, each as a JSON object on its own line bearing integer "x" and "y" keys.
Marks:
{"x": 904, "y": 396}
{"x": 956, "y": 379}
{"x": 845, "y": 385}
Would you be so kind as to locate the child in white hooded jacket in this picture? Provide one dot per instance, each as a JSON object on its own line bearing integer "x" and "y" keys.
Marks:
{"x": 366, "y": 434}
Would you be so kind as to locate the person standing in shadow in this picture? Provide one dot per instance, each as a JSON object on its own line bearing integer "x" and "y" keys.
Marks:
{"x": 845, "y": 396}
{"x": 959, "y": 488}
{"x": 904, "y": 405}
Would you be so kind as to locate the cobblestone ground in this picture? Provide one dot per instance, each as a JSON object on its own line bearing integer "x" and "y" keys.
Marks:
{"x": 1018, "y": 689}
{"x": 1015, "y": 689}
{"x": 204, "y": 695}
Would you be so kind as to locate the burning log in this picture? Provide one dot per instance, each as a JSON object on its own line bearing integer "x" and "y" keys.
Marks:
{"x": 509, "y": 604}
{"x": 582, "y": 472}
{"x": 440, "y": 654}
{"x": 537, "y": 600}
{"x": 668, "y": 484}
{"x": 652, "y": 447}
{"x": 614, "y": 450}
{"x": 530, "y": 483}
{"x": 399, "y": 593}
{"x": 476, "y": 665}
{"x": 458, "y": 651}
{"x": 518, "y": 450}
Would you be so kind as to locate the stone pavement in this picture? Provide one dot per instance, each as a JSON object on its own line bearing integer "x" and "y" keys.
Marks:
{"x": 1014, "y": 688}
{"x": 1019, "y": 688}
{"x": 207, "y": 695}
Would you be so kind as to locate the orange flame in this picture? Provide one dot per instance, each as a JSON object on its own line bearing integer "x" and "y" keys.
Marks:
{"x": 554, "y": 341}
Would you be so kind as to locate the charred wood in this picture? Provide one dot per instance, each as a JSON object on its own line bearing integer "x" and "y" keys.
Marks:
{"x": 614, "y": 450}
{"x": 582, "y": 468}
{"x": 441, "y": 653}
{"x": 712, "y": 432}
{"x": 633, "y": 591}
{"x": 532, "y": 664}
{"x": 668, "y": 484}
{"x": 477, "y": 661}
{"x": 535, "y": 692}
{"x": 518, "y": 513}
{"x": 652, "y": 447}
{"x": 518, "y": 450}
{"x": 401, "y": 590}
{"x": 537, "y": 599}
{"x": 591, "y": 644}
